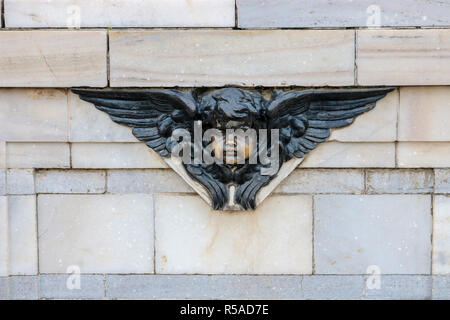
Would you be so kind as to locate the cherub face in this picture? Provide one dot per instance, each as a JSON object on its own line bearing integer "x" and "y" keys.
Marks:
{"x": 235, "y": 143}
{"x": 233, "y": 112}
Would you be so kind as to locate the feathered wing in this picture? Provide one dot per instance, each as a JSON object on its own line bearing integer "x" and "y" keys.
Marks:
{"x": 305, "y": 118}
{"x": 153, "y": 114}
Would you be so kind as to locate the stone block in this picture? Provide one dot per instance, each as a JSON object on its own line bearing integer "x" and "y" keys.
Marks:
{"x": 88, "y": 124}
{"x": 323, "y": 181}
{"x": 403, "y": 57}
{"x": 351, "y": 155}
{"x": 95, "y": 233}
{"x": 53, "y": 58}
{"x": 441, "y": 235}
{"x": 377, "y": 125}
{"x": 20, "y": 181}
{"x": 203, "y": 287}
{"x": 441, "y": 288}
{"x": 442, "y": 180}
{"x": 65, "y": 286}
{"x": 399, "y": 181}
{"x": 118, "y": 13}
{"x": 23, "y": 288}
{"x": 70, "y": 181}
{"x": 191, "y": 238}
{"x": 332, "y": 287}
{"x": 423, "y": 154}
{"x": 191, "y": 58}
{"x": 115, "y": 155}
{"x": 33, "y": 114}
{"x": 146, "y": 181}
{"x": 424, "y": 114}
{"x": 23, "y": 259}
{"x": 341, "y": 13}
{"x": 390, "y": 232}
{"x": 4, "y": 239}
{"x": 400, "y": 287}
{"x": 38, "y": 155}
{"x": 2, "y": 182}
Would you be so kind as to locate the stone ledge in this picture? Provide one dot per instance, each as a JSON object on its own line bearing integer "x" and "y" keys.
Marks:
{"x": 400, "y": 287}
{"x": 441, "y": 287}
{"x": 114, "y": 286}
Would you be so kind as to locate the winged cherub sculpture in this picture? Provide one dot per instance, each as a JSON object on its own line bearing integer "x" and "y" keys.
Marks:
{"x": 300, "y": 119}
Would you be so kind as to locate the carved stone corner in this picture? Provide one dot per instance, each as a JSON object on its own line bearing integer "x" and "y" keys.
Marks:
{"x": 285, "y": 170}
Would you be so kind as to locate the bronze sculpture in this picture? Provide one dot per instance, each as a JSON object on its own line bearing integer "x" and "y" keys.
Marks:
{"x": 302, "y": 119}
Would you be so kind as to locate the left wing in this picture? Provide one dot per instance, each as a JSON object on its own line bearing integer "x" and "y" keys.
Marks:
{"x": 305, "y": 118}
{"x": 153, "y": 114}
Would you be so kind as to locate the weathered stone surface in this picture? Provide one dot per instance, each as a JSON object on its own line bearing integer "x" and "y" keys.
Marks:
{"x": 70, "y": 181}
{"x": 399, "y": 181}
{"x": 203, "y": 287}
{"x": 401, "y": 287}
{"x": 341, "y": 13}
{"x": 115, "y": 155}
{"x": 20, "y": 181}
{"x": 223, "y": 57}
{"x": 119, "y": 13}
{"x": 2, "y": 154}
{"x": 332, "y": 287}
{"x": 38, "y": 155}
{"x": 53, "y": 58}
{"x": 145, "y": 181}
{"x": 33, "y": 114}
{"x": 22, "y": 235}
{"x": 441, "y": 287}
{"x": 323, "y": 181}
{"x": 351, "y": 155}
{"x": 378, "y": 125}
{"x": 423, "y": 154}
{"x": 403, "y": 57}
{"x": 2, "y": 182}
{"x": 4, "y": 239}
{"x": 442, "y": 180}
{"x": 87, "y": 124}
{"x": 441, "y": 235}
{"x": 23, "y": 288}
{"x": 392, "y": 232}
{"x": 424, "y": 114}
{"x": 97, "y": 233}
{"x": 55, "y": 287}
{"x": 4, "y": 288}
{"x": 274, "y": 239}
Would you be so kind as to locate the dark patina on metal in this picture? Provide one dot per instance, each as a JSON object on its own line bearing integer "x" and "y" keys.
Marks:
{"x": 304, "y": 119}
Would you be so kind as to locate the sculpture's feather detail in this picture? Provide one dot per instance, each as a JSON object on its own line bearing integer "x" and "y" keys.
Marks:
{"x": 303, "y": 118}
{"x": 310, "y": 114}
{"x": 153, "y": 114}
